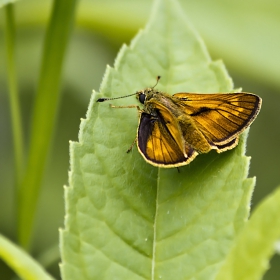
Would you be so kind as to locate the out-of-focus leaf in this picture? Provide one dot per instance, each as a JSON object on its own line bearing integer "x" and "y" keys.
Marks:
{"x": 249, "y": 258}
{"x": 5, "y": 2}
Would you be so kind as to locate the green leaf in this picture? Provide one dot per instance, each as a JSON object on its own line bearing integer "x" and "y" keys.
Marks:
{"x": 255, "y": 245}
{"x": 21, "y": 262}
{"x": 126, "y": 219}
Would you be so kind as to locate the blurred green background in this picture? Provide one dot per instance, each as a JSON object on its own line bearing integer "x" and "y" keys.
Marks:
{"x": 244, "y": 34}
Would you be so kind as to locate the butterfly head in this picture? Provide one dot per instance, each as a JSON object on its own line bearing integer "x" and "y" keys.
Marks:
{"x": 142, "y": 95}
{"x": 147, "y": 93}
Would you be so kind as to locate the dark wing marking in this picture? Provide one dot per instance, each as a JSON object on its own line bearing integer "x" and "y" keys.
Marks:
{"x": 157, "y": 144}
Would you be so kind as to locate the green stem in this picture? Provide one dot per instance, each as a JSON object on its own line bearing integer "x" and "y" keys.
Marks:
{"x": 44, "y": 115}
{"x": 21, "y": 262}
{"x": 13, "y": 93}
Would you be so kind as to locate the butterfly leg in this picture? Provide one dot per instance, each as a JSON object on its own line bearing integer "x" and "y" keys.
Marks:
{"x": 139, "y": 111}
{"x": 129, "y": 106}
{"x": 130, "y": 148}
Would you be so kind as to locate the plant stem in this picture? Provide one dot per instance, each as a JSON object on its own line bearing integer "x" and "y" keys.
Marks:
{"x": 44, "y": 114}
{"x": 13, "y": 93}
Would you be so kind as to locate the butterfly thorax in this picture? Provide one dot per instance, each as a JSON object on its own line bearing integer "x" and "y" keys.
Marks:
{"x": 154, "y": 100}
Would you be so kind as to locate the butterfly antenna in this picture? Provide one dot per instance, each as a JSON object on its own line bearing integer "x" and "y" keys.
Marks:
{"x": 158, "y": 78}
{"x": 112, "y": 98}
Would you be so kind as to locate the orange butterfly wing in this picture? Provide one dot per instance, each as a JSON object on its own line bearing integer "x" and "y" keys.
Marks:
{"x": 221, "y": 117}
{"x": 160, "y": 140}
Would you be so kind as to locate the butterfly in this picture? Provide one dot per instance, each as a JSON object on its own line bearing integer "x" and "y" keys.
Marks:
{"x": 174, "y": 129}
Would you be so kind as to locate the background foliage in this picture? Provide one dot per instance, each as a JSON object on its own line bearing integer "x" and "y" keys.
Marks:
{"x": 243, "y": 34}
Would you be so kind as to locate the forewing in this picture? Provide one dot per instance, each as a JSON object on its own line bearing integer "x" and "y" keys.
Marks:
{"x": 220, "y": 117}
{"x": 168, "y": 120}
{"x": 158, "y": 146}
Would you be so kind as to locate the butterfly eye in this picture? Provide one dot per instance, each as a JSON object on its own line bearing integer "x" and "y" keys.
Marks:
{"x": 142, "y": 97}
